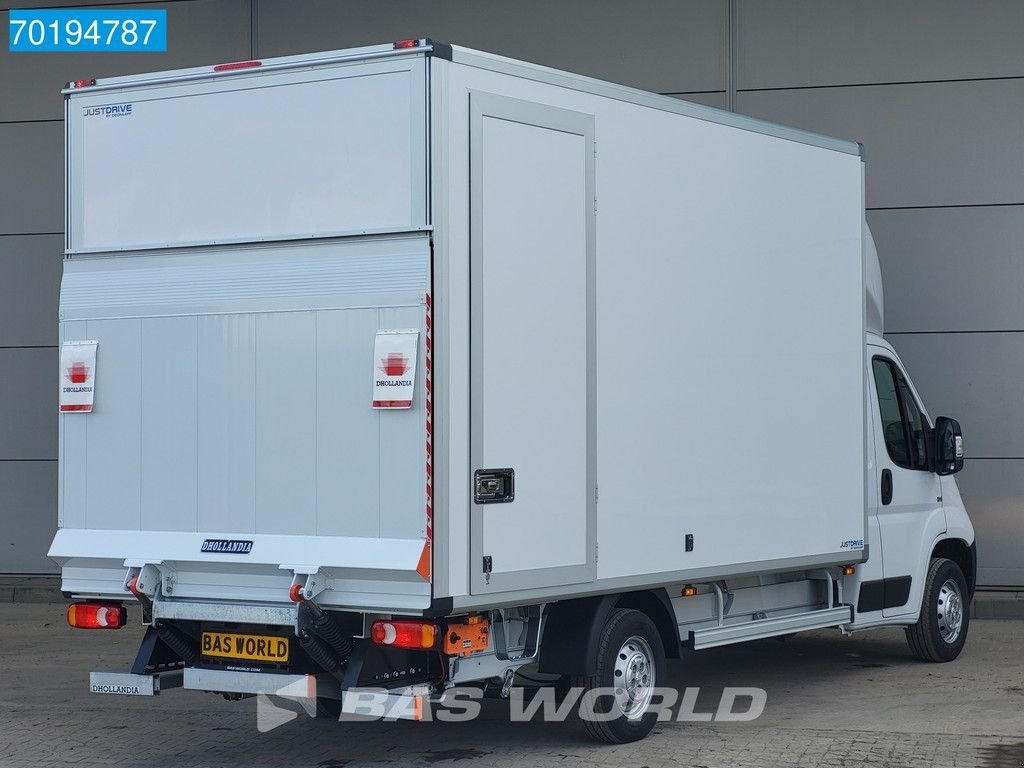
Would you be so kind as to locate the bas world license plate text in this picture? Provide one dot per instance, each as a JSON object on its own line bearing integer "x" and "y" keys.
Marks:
{"x": 252, "y": 647}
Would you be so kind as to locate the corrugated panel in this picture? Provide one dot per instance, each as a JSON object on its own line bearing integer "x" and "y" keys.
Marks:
{"x": 112, "y": 448}
{"x": 322, "y": 276}
{"x": 226, "y": 370}
{"x": 249, "y": 421}
{"x": 347, "y": 475}
{"x": 286, "y": 422}
{"x": 170, "y": 382}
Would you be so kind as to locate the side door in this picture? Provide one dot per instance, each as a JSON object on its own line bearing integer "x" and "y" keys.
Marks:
{"x": 909, "y": 492}
{"x": 533, "y": 366}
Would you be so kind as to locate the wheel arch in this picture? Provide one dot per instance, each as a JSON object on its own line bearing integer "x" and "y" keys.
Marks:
{"x": 964, "y": 555}
{"x": 573, "y": 627}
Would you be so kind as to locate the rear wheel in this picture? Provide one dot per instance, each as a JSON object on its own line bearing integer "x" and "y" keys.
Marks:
{"x": 630, "y": 664}
{"x": 941, "y": 631}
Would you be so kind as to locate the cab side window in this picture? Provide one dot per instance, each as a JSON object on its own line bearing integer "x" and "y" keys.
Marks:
{"x": 903, "y": 424}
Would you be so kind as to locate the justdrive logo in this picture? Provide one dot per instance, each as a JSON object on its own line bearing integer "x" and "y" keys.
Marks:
{"x": 110, "y": 110}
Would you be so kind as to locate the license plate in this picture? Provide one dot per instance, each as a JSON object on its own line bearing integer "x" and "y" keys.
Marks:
{"x": 250, "y": 647}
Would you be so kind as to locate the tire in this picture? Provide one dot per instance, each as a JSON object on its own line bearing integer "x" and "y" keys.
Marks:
{"x": 629, "y": 649}
{"x": 941, "y": 631}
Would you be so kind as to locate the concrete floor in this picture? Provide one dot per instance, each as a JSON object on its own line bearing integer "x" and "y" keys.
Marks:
{"x": 831, "y": 701}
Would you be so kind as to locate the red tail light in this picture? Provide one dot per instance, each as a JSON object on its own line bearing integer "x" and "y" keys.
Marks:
{"x": 419, "y": 635}
{"x": 97, "y": 615}
{"x": 399, "y": 44}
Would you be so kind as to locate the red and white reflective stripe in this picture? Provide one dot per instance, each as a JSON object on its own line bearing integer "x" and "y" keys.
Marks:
{"x": 392, "y": 403}
{"x": 73, "y": 407}
{"x": 428, "y": 363}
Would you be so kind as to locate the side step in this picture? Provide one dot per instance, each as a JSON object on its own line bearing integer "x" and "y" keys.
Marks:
{"x": 761, "y": 628}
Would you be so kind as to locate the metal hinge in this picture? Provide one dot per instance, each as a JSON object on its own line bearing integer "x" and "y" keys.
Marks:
{"x": 488, "y": 565}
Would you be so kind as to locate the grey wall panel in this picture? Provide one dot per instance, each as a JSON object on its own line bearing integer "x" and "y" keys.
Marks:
{"x": 28, "y": 403}
{"x": 993, "y": 493}
{"x": 28, "y": 517}
{"x": 30, "y": 270}
{"x": 32, "y": 182}
{"x": 198, "y": 32}
{"x": 927, "y": 144}
{"x": 716, "y": 99}
{"x": 810, "y": 42}
{"x": 975, "y": 378}
{"x": 660, "y": 45}
{"x": 952, "y": 269}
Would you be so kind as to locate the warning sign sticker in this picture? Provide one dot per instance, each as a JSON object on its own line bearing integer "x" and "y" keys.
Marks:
{"x": 394, "y": 368}
{"x": 77, "y": 376}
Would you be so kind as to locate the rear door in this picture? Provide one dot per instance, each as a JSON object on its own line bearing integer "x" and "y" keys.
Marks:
{"x": 251, "y": 253}
{"x": 533, "y": 364}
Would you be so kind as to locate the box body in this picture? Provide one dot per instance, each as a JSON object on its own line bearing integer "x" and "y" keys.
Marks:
{"x": 651, "y": 312}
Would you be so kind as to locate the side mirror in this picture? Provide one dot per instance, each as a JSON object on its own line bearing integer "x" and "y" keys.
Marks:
{"x": 949, "y": 446}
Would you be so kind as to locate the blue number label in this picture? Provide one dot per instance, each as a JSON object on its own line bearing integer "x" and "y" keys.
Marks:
{"x": 85, "y": 30}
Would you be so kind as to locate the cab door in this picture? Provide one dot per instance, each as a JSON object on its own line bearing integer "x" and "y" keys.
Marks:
{"x": 909, "y": 493}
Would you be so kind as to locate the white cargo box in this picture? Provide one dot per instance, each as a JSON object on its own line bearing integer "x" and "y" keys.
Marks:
{"x": 649, "y": 311}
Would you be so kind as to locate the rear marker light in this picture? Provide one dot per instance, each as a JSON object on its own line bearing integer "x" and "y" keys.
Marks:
{"x": 416, "y": 635}
{"x": 84, "y": 83}
{"x": 399, "y": 44}
{"x": 689, "y": 591}
{"x": 236, "y": 65}
{"x": 849, "y": 570}
{"x": 97, "y": 615}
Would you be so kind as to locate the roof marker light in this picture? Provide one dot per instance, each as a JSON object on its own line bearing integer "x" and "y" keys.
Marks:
{"x": 237, "y": 65}
{"x": 84, "y": 83}
{"x": 399, "y": 44}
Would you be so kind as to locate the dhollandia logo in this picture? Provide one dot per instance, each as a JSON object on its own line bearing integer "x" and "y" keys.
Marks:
{"x": 110, "y": 110}
{"x": 395, "y": 364}
{"x": 227, "y": 546}
{"x": 77, "y": 373}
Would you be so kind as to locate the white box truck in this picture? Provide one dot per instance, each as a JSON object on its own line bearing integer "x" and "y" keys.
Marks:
{"x": 410, "y": 366}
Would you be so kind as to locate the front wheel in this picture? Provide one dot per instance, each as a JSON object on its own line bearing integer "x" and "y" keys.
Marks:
{"x": 616, "y": 706}
{"x": 941, "y": 631}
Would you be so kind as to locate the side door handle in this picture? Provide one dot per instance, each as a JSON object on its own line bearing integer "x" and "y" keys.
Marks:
{"x": 886, "y": 486}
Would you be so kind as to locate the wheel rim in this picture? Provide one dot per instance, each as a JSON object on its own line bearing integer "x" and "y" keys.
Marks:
{"x": 634, "y": 677}
{"x": 950, "y": 611}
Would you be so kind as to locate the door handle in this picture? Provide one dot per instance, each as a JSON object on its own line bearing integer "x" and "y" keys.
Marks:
{"x": 886, "y": 486}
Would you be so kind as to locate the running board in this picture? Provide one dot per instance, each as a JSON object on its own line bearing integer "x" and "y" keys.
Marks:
{"x": 761, "y": 628}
